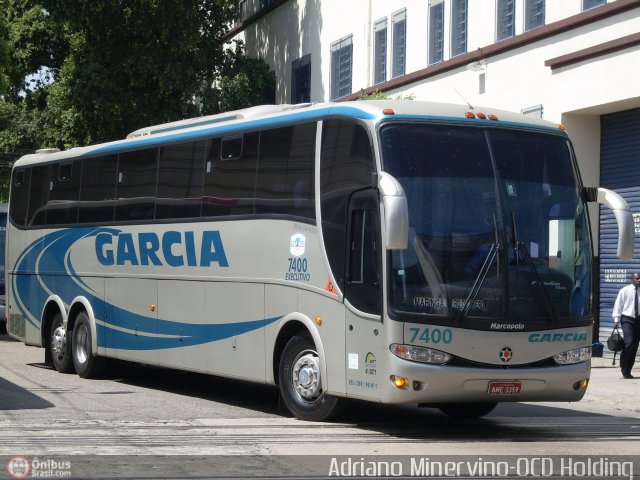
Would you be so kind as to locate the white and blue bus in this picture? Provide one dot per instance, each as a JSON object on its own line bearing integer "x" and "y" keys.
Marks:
{"x": 397, "y": 252}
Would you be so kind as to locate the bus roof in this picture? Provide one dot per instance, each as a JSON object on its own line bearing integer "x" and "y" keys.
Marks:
{"x": 266, "y": 116}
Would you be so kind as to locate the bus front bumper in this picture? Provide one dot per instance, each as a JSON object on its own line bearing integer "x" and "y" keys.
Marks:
{"x": 442, "y": 384}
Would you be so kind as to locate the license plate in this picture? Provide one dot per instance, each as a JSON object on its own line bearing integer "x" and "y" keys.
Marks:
{"x": 504, "y": 388}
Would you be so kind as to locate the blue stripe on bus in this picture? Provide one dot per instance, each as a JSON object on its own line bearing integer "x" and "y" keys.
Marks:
{"x": 154, "y": 140}
{"x": 45, "y": 266}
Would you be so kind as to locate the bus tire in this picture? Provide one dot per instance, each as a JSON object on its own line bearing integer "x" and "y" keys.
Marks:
{"x": 86, "y": 363}
{"x": 60, "y": 346}
{"x": 300, "y": 384}
{"x": 467, "y": 410}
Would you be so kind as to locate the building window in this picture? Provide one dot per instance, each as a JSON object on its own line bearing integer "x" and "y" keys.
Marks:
{"x": 505, "y": 19}
{"x": 243, "y": 10}
{"x": 380, "y": 51}
{"x": 301, "y": 80}
{"x": 588, "y": 4}
{"x": 399, "y": 26}
{"x": 341, "y": 67}
{"x": 533, "y": 14}
{"x": 436, "y": 31}
{"x": 459, "y": 14}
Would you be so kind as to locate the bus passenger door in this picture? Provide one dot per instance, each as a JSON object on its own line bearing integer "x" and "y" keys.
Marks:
{"x": 363, "y": 295}
{"x": 131, "y": 319}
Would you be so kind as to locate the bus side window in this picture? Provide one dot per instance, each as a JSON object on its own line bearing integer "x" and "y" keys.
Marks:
{"x": 39, "y": 194}
{"x": 20, "y": 196}
{"x": 180, "y": 180}
{"x": 230, "y": 176}
{"x": 363, "y": 255}
{"x": 62, "y": 207}
{"x": 136, "y": 185}
{"x": 98, "y": 189}
{"x": 286, "y": 171}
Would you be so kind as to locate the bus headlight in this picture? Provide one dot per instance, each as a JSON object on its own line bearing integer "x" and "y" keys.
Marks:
{"x": 576, "y": 355}
{"x": 419, "y": 354}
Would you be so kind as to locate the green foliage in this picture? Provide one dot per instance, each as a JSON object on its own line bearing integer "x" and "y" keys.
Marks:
{"x": 134, "y": 63}
{"x": 244, "y": 82}
{"x": 36, "y": 46}
{"x": 378, "y": 95}
{"x": 79, "y": 72}
{"x": 4, "y": 52}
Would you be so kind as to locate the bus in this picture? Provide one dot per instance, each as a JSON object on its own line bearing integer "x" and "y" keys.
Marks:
{"x": 399, "y": 252}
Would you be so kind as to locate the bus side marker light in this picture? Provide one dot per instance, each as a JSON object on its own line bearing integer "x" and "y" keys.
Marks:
{"x": 561, "y": 126}
{"x": 470, "y": 115}
{"x": 152, "y": 307}
{"x": 388, "y": 111}
{"x": 318, "y": 321}
{"x": 582, "y": 384}
{"x": 481, "y": 115}
{"x": 400, "y": 382}
{"x": 493, "y": 117}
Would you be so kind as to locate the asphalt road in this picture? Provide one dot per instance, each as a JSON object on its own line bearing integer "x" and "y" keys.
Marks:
{"x": 138, "y": 418}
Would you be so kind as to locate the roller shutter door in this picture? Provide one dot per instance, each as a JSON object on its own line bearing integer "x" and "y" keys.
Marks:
{"x": 619, "y": 171}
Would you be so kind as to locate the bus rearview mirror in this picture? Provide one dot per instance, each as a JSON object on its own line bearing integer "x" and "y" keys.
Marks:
{"x": 396, "y": 212}
{"x": 624, "y": 218}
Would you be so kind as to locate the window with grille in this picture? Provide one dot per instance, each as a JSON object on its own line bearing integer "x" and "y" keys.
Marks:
{"x": 505, "y": 19}
{"x": 533, "y": 14}
{"x": 459, "y": 14}
{"x": 301, "y": 80}
{"x": 436, "y": 32}
{"x": 341, "y": 67}
{"x": 399, "y": 25}
{"x": 380, "y": 51}
{"x": 588, "y": 4}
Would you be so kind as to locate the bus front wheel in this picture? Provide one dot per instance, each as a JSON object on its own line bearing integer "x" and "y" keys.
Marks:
{"x": 59, "y": 346}
{"x": 467, "y": 410}
{"x": 300, "y": 382}
{"x": 86, "y": 363}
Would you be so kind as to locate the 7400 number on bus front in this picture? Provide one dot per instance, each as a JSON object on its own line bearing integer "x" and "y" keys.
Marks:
{"x": 431, "y": 335}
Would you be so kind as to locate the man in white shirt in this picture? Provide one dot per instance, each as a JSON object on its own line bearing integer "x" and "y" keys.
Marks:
{"x": 625, "y": 311}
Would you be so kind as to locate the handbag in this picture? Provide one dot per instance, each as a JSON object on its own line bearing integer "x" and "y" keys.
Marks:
{"x": 615, "y": 343}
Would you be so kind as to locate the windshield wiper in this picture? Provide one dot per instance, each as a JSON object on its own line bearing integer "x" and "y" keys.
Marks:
{"x": 482, "y": 275}
{"x": 521, "y": 247}
{"x": 479, "y": 281}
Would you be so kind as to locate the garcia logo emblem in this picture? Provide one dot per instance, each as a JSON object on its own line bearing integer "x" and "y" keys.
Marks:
{"x": 506, "y": 354}
{"x": 296, "y": 245}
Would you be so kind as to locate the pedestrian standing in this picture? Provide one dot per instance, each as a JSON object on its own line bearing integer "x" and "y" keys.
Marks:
{"x": 625, "y": 312}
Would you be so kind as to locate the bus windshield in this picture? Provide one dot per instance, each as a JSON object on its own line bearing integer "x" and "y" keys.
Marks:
{"x": 497, "y": 228}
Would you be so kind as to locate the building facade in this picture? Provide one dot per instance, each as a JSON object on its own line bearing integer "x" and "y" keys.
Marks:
{"x": 575, "y": 62}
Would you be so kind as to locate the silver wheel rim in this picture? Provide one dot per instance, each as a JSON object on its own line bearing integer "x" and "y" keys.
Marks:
{"x": 81, "y": 344}
{"x": 306, "y": 376}
{"x": 59, "y": 342}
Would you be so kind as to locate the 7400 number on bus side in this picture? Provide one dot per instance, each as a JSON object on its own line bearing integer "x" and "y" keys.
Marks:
{"x": 431, "y": 335}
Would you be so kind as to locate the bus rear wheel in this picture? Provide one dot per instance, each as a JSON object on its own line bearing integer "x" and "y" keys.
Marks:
{"x": 60, "y": 346}
{"x": 86, "y": 363}
{"x": 300, "y": 382}
{"x": 467, "y": 410}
